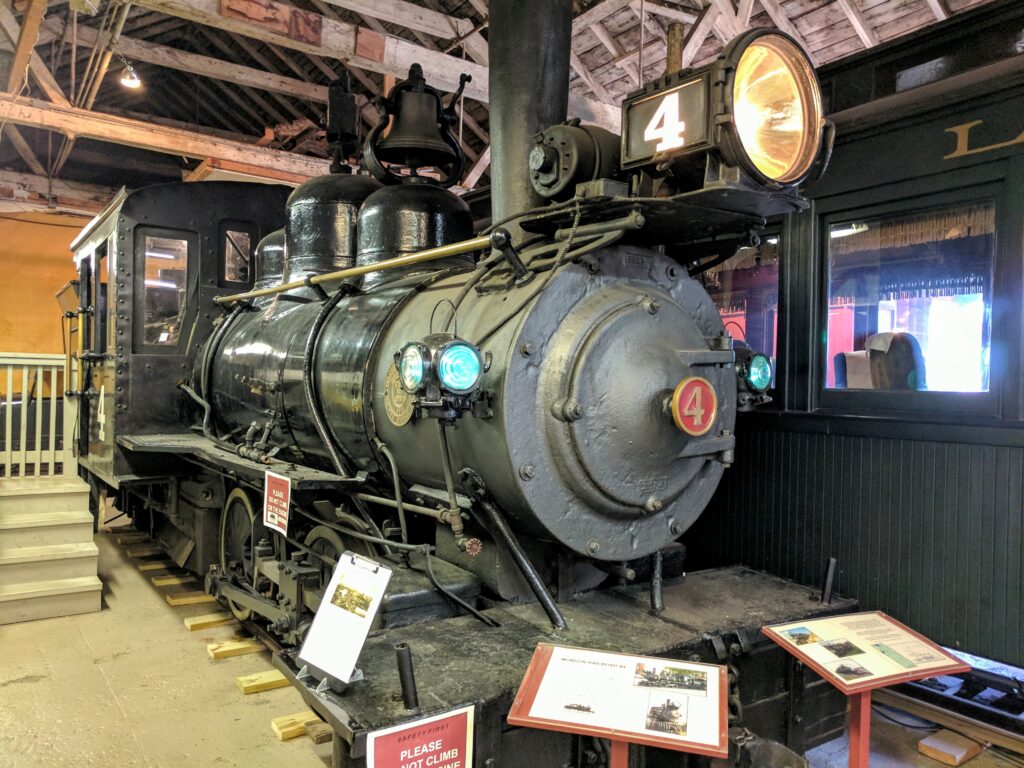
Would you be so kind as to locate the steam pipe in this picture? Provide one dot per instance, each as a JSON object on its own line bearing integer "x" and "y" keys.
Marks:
{"x": 431, "y": 254}
{"x": 529, "y": 91}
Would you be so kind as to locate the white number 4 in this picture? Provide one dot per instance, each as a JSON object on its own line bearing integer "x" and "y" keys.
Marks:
{"x": 665, "y": 127}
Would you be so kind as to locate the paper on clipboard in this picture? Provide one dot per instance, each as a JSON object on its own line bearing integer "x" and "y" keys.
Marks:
{"x": 346, "y": 613}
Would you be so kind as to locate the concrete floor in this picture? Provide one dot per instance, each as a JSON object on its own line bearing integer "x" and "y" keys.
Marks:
{"x": 130, "y": 686}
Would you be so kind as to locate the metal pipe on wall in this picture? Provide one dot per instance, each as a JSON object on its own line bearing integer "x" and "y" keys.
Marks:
{"x": 529, "y": 91}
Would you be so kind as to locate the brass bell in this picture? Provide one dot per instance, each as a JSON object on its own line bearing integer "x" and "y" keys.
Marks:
{"x": 415, "y": 137}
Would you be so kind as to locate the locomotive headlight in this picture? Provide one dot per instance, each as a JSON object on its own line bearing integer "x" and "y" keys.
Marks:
{"x": 757, "y": 108}
{"x": 460, "y": 367}
{"x": 413, "y": 361}
{"x": 759, "y": 372}
{"x": 777, "y": 110}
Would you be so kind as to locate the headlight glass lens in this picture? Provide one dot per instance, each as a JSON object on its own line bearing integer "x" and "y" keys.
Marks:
{"x": 410, "y": 368}
{"x": 777, "y": 108}
{"x": 759, "y": 373}
{"x": 460, "y": 368}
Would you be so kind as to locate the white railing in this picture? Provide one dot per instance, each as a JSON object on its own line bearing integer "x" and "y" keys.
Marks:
{"x": 37, "y": 423}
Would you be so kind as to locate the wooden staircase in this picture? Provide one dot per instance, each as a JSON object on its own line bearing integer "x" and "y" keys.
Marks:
{"x": 47, "y": 555}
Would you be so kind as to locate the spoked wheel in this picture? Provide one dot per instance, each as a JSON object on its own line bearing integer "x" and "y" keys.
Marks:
{"x": 331, "y": 544}
{"x": 240, "y": 531}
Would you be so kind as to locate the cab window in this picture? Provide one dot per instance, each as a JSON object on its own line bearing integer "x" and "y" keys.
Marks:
{"x": 164, "y": 289}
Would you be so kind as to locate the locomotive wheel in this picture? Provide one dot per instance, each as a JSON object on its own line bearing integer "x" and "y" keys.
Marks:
{"x": 239, "y": 533}
{"x": 328, "y": 542}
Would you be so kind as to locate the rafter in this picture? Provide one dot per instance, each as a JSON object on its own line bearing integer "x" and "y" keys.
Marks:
{"x": 612, "y": 45}
{"x": 781, "y": 20}
{"x": 698, "y": 33}
{"x": 581, "y": 69}
{"x": 859, "y": 23}
{"x": 366, "y": 49}
{"x": 26, "y": 42}
{"x": 157, "y": 138}
{"x": 744, "y": 11}
{"x": 207, "y": 66}
{"x": 36, "y": 190}
{"x": 40, "y": 72}
{"x": 938, "y": 9}
{"x": 477, "y": 170}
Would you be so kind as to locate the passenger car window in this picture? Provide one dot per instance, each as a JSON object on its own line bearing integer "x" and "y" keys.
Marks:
{"x": 745, "y": 289}
{"x": 910, "y": 301}
{"x": 237, "y": 256}
{"x": 165, "y": 285}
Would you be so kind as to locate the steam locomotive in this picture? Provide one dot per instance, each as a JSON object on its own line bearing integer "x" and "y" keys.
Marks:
{"x": 513, "y": 411}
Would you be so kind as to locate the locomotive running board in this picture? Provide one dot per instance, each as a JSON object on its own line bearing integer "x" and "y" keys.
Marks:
{"x": 211, "y": 455}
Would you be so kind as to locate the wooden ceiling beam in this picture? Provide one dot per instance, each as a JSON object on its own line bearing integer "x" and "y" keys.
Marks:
{"x": 675, "y": 14}
{"x": 362, "y": 47}
{"x": 938, "y": 9}
{"x": 477, "y": 169}
{"x": 859, "y": 23}
{"x": 40, "y": 72}
{"x": 153, "y": 137}
{"x": 597, "y": 12}
{"x": 358, "y": 46}
{"x": 26, "y": 43}
{"x": 250, "y": 92}
{"x": 38, "y": 191}
{"x": 698, "y": 33}
{"x": 612, "y": 45}
{"x": 781, "y": 20}
{"x": 218, "y": 69}
{"x": 269, "y": 66}
{"x": 744, "y": 11}
{"x": 581, "y": 69}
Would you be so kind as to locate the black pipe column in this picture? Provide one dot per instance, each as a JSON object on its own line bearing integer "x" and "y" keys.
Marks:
{"x": 529, "y": 90}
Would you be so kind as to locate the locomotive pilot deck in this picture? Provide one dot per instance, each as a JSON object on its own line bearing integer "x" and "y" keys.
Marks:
{"x": 706, "y": 614}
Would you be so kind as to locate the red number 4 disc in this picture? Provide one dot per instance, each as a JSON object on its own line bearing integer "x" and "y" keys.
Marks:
{"x": 695, "y": 406}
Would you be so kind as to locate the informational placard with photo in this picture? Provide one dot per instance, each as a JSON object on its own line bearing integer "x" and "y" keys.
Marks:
{"x": 658, "y": 702}
{"x": 862, "y": 651}
{"x": 345, "y": 615}
{"x": 438, "y": 741}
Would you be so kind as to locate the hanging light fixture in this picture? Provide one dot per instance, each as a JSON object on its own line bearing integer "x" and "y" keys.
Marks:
{"x": 130, "y": 78}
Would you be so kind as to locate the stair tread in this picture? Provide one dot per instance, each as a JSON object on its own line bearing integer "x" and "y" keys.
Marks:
{"x": 9, "y": 555}
{"x": 31, "y": 486}
{"x": 46, "y": 588}
{"x": 11, "y": 520}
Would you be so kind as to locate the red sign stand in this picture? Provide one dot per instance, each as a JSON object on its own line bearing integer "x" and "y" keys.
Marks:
{"x": 860, "y": 729}
{"x": 858, "y": 653}
{"x": 620, "y": 754}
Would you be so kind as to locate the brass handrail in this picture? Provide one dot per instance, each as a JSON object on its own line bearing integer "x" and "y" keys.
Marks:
{"x": 453, "y": 249}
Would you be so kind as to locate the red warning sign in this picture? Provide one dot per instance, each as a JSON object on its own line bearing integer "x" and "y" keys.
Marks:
{"x": 441, "y": 741}
{"x": 695, "y": 406}
{"x": 277, "y": 495}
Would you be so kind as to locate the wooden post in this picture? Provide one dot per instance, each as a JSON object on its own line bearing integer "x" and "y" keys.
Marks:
{"x": 620, "y": 754}
{"x": 860, "y": 729}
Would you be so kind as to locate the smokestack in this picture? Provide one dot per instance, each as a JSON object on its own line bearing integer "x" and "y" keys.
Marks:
{"x": 529, "y": 90}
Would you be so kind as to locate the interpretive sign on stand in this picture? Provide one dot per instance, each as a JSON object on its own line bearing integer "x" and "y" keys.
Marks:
{"x": 645, "y": 700}
{"x": 859, "y": 652}
{"x": 345, "y": 615}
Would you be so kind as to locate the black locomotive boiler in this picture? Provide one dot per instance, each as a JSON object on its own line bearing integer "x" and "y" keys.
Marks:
{"x": 519, "y": 415}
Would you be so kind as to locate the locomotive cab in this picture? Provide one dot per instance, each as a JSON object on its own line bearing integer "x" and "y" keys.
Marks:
{"x": 149, "y": 267}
